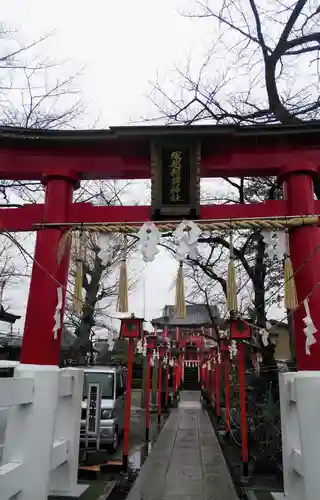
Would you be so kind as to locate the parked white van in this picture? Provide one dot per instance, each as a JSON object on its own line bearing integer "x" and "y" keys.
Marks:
{"x": 108, "y": 410}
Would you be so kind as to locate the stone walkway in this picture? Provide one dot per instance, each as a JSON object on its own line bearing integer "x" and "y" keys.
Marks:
{"x": 186, "y": 461}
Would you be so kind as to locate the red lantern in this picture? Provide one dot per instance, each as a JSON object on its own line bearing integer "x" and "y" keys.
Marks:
{"x": 131, "y": 328}
{"x": 239, "y": 330}
{"x": 198, "y": 342}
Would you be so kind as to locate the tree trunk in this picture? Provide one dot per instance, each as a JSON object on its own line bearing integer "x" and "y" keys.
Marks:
{"x": 83, "y": 331}
{"x": 270, "y": 372}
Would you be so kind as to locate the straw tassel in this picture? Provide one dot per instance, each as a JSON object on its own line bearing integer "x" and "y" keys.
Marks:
{"x": 180, "y": 309}
{"x": 290, "y": 293}
{"x": 65, "y": 244}
{"x": 122, "y": 303}
{"x": 231, "y": 282}
{"x": 77, "y": 296}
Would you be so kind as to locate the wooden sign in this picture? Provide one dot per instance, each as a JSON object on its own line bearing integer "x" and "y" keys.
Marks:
{"x": 93, "y": 413}
{"x": 175, "y": 180}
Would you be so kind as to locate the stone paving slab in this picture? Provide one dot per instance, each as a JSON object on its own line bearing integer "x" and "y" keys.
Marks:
{"x": 186, "y": 461}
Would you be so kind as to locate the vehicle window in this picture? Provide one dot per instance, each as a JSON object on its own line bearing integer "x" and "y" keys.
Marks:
{"x": 106, "y": 381}
{"x": 124, "y": 380}
{"x": 120, "y": 384}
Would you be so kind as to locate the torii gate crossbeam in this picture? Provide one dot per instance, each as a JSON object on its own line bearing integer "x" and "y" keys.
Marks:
{"x": 61, "y": 159}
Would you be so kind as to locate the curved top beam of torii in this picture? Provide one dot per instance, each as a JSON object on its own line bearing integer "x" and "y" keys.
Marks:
{"x": 124, "y": 152}
{"x": 60, "y": 159}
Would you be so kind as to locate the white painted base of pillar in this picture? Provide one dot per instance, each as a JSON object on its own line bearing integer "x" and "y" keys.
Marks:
{"x": 41, "y": 442}
{"x": 74, "y": 494}
{"x": 279, "y": 496}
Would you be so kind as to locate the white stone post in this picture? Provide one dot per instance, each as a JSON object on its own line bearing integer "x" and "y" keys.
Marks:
{"x": 63, "y": 479}
{"x": 29, "y": 431}
{"x": 300, "y": 411}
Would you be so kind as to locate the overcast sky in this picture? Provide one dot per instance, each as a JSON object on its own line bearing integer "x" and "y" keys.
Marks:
{"x": 122, "y": 46}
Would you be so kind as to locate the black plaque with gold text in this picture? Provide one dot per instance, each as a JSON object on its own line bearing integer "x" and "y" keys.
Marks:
{"x": 175, "y": 179}
{"x": 176, "y": 176}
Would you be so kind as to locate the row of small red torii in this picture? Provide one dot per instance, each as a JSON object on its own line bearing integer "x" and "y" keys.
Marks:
{"x": 60, "y": 160}
{"x": 210, "y": 362}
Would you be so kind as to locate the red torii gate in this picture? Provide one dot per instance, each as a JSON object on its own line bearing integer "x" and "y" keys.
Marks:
{"x": 60, "y": 159}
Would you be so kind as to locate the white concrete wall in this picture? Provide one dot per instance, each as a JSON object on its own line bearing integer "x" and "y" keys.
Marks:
{"x": 300, "y": 417}
{"x": 40, "y": 452}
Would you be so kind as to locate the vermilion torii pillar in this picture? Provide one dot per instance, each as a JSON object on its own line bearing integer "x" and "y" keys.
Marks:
{"x": 60, "y": 159}
{"x": 39, "y": 345}
{"x": 305, "y": 254}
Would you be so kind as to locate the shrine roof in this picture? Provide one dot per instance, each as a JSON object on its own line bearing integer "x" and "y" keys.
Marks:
{"x": 197, "y": 315}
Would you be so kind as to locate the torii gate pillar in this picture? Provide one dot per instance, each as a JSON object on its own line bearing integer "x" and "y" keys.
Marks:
{"x": 39, "y": 345}
{"x": 305, "y": 253}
